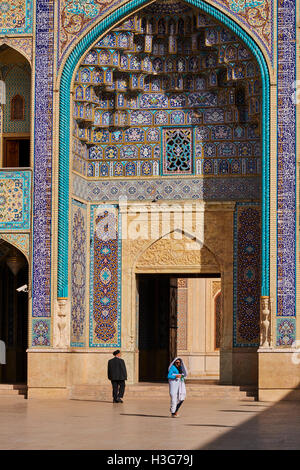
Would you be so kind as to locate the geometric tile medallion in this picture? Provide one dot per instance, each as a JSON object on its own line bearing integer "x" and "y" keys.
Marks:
{"x": 286, "y": 331}
{"x": 177, "y": 150}
{"x": 105, "y": 277}
{"x": 247, "y": 274}
{"x": 15, "y": 200}
{"x": 41, "y": 332}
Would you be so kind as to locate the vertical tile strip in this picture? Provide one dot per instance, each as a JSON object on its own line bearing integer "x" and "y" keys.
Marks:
{"x": 105, "y": 277}
{"x": 78, "y": 273}
{"x": 246, "y": 275}
{"x": 286, "y": 154}
{"x": 41, "y": 300}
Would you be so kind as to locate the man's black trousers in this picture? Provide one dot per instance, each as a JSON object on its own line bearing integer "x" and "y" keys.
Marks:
{"x": 118, "y": 387}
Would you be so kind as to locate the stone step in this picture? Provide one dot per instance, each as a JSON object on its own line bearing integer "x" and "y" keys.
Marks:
{"x": 9, "y": 392}
{"x": 13, "y": 387}
{"x": 15, "y": 397}
{"x": 104, "y": 392}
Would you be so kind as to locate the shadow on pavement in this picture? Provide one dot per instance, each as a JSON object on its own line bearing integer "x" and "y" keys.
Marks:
{"x": 210, "y": 425}
{"x": 276, "y": 428}
{"x": 146, "y": 416}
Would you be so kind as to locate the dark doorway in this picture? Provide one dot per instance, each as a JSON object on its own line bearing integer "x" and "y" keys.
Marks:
{"x": 16, "y": 153}
{"x": 154, "y": 311}
{"x": 158, "y": 322}
{"x": 13, "y": 313}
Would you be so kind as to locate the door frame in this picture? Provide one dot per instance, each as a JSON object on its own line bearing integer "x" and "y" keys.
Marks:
{"x": 7, "y": 137}
{"x": 192, "y": 273}
{"x": 18, "y": 351}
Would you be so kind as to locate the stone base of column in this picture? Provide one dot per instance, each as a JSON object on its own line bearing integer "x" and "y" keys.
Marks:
{"x": 278, "y": 374}
{"x": 238, "y": 366}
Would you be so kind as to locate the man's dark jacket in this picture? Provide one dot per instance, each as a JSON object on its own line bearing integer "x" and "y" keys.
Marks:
{"x": 116, "y": 369}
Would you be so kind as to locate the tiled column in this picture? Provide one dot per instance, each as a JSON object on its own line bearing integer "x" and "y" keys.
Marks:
{"x": 42, "y": 199}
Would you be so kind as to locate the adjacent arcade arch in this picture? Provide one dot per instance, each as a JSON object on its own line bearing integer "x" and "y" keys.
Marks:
{"x": 13, "y": 313}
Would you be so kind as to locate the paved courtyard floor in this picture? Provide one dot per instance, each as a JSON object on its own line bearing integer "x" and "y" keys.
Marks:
{"x": 145, "y": 424}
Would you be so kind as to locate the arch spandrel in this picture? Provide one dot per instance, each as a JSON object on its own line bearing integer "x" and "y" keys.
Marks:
{"x": 18, "y": 241}
{"x": 21, "y": 45}
{"x": 257, "y": 22}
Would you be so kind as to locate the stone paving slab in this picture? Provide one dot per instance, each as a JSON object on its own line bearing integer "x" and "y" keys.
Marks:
{"x": 146, "y": 425}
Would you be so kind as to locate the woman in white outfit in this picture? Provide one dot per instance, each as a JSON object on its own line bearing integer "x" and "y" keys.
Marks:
{"x": 176, "y": 375}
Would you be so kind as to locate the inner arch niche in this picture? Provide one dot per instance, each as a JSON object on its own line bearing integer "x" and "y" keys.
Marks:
{"x": 80, "y": 157}
{"x": 168, "y": 92}
{"x": 15, "y": 72}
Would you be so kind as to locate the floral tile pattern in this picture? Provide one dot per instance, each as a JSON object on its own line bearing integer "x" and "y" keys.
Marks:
{"x": 16, "y": 16}
{"x": 105, "y": 277}
{"x": 15, "y": 200}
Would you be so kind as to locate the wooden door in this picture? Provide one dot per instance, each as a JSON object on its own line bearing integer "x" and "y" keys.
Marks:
{"x": 173, "y": 319}
{"x": 11, "y": 154}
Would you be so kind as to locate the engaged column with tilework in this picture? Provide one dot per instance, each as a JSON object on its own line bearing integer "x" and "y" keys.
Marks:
{"x": 41, "y": 299}
{"x": 286, "y": 175}
{"x": 182, "y": 305}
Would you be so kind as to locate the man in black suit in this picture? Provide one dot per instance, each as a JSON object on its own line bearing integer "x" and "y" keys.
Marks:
{"x": 117, "y": 374}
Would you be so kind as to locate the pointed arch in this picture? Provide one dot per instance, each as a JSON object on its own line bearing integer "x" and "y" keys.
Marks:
{"x": 64, "y": 135}
{"x": 15, "y": 45}
{"x": 20, "y": 244}
{"x": 14, "y": 298}
{"x": 17, "y": 108}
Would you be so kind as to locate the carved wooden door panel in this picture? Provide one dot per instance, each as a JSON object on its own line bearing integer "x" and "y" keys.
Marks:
{"x": 173, "y": 319}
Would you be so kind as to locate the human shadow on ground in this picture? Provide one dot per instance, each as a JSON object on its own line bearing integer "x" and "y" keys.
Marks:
{"x": 256, "y": 405}
{"x": 144, "y": 416}
{"x": 210, "y": 425}
{"x": 95, "y": 401}
{"x": 238, "y": 411}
